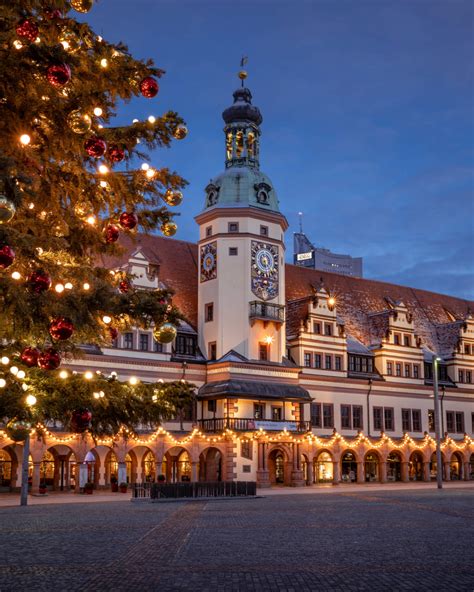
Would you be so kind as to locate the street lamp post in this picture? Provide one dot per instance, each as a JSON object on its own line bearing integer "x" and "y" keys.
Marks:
{"x": 439, "y": 466}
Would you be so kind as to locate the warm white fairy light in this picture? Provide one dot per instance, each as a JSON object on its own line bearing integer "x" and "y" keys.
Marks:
{"x": 31, "y": 206}
{"x": 145, "y": 166}
{"x": 133, "y": 380}
{"x": 64, "y": 374}
{"x": 17, "y": 44}
{"x": 152, "y": 119}
{"x": 91, "y": 220}
{"x": 59, "y": 288}
{"x": 88, "y": 375}
{"x": 106, "y": 319}
{"x": 86, "y": 286}
{"x": 68, "y": 286}
{"x": 103, "y": 169}
{"x": 96, "y": 395}
{"x": 134, "y": 120}
{"x": 21, "y": 374}
{"x": 25, "y": 139}
{"x": 3, "y": 383}
{"x": 14, "y": 370}
{"x": 104, "y": 184}
{"x": 104, "y": 63}
{"x": 30, "y": 400}
{"x": 25, "y": 387}
{"x": 16, "y": 275}
{"x": 65, "y": 44}
{"x": 5, "y": 360}
{"x": 98, "y": 111}
{"x": 150, "y": 173}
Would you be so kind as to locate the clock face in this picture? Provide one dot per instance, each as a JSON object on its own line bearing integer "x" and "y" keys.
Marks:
{"x": 264, "y": 280}
{"x": 208, "y": 262}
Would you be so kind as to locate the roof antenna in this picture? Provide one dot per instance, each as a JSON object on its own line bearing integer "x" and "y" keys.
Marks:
{"x": 300, "y": 214}
{"x": 242, "y": 73}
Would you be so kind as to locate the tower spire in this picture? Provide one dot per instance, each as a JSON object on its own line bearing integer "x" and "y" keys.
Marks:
{"x": 300, "y": 215}
{"x": 243, "y": 73}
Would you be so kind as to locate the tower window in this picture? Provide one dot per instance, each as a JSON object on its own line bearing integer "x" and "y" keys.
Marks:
{"x": 209, "y": 312}
{"x": 263, "y": 351}
{"x": 209, "y": 231}
{"x": 233, "y": 227}
{"x": 212, "y": 350}
{"x": 233, "y": 251}
{"x": 264, "y": 230}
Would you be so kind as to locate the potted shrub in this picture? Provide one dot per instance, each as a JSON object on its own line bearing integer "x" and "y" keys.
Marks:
{"x": 88, "y": 487}
{"x": 42, "y": 488}
{"x": 114, "y": 483}
{"x": 123, "y": 487}
{"x": 161, "y": 478}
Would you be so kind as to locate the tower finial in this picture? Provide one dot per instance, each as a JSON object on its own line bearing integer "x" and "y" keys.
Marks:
{"x": 300, "y": 214}
{"x": 242, "y": 73}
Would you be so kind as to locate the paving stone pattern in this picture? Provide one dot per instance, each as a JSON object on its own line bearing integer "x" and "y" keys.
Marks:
{"x": 366, "y": 541}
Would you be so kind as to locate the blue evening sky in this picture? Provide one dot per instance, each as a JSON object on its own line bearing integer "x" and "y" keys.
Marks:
{"x": 368, "y": 118}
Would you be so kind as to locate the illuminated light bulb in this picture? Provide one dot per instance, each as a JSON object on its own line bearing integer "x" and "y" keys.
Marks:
{"x": 14, "y": 370}
{"x": 152, "y": 119}
{"x": 68, "y": 286}
{"x": 39, "y": 251}
{"x": 104, "y": 184}
{"x": 65, "y": 44}
{"x": 30, "y": 400}
{"x": 104, "y": 63}
{"x": 31, "y": 206}
{"x": 268, "y": 339}
{"x": 38, "y": 40}
{"x": 101, "y": 394}
{"x": 91, "y": 220}
{"x": 99, "y": 38}
{"x": 17, "y": 44}
{"x": 64, "y": 374}
{"x": 145, "y": 166}
{"x": 332, "y": 301}
{"x": 25, "y": 139}
{"x": 133, "y": 380}
{"x": 100, "y": 126}
{"x": 150, "y": 173}
{"x": 16, "y": 275}
{"x": 88, "y": 375}
{"x": 103, "y": 169}
{"x": 5, "y": 360}
{"x": 21, "y": 374}
{"x": 134, "y": 120}
{"x": 25, "y": 387}
{"x": 59, "y": 288}
{"x": 86, "y": 286}
{"x": 106, "y": 319}
{"x": 3, "y": 383}
{"x": 96, "y": 396}
{"x": 98, "y": 111}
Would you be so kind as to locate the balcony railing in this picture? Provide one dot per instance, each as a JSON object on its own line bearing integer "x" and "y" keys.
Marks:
{"x": 242, "y": 424}
{"x": 267, "y": 311}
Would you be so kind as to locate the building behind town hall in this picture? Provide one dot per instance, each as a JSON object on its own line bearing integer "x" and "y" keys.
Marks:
{"x": 302, "y": 376}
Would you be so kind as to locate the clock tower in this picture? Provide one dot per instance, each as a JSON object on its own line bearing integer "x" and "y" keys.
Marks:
{"x": 241, "y": 293}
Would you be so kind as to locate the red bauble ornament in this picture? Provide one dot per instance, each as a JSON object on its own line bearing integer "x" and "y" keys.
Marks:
{"x": 58, "y": 75}
{"x": 39, "y": 281}
{"x": 29, "y": 356}
{"x": 149, "y": 87}
{"x": 7, "y": 256}
{"x": 111, "y": 233}
{"x": 95, "y": 147}
{"x": 54, "y": 14}
{"x": 27, "y": 29}
{"x": 113, "y": 333}
{"x": 49, "y": 359}
{"x": 81, "y": 420}
{"x": 128, "y": 220}
{"x": 124, "y": 286}
{"x": 115, "y": 153}
{"x": 61, "y": 328}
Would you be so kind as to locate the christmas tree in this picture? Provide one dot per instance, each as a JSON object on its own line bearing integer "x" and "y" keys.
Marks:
{"x": 70, "y": 185}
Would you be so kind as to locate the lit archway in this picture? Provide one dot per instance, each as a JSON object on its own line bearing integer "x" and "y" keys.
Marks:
{"x": 434, "y": 467}
{"x": 455, "y": 467}
{"x": 415, "y": 466}
{"x": 176, "y": 465}
{"x": 394, "y": 466}
{"x": 6, "y": 470}
{"x": 277, "y": 466}
{"x": 210, "y": 465}
{"x": 349, "y": 467}
{"x": 323, "y": 468}
{"x": 372, "y": 467}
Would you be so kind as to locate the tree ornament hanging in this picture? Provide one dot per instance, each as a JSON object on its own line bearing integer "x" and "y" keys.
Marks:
{"x": 165, "y": 333}
{"x": 95, "y": 147}
{"x": 128, "y": 220}
{"x": 49, "y": 359}
{"x": 81, "y": 420}
{"x": 7, "y": 256}
{"x": 29, "y": 356}
{"x": 111, "y": 233}
{"x": 58, "y": 75}
{"x": 54, "y": 14}
{"x": 61, "y": 328}
{"x": 169, "y": 228}
{"x": 124, "y": 286}
{"x": 115, "y": 153}
{"x": 17, "y": 430}
{"x": 27, "y": 29}
{"x": 173, "y": 198}
{"x": 7, "y": 209}
{"x": 82, "y": 5}
{"x": 180, "y": 132}
{"x": 79, "y": 122}
{"x": 149, "y": 87}
{"x": 39, "y": 281}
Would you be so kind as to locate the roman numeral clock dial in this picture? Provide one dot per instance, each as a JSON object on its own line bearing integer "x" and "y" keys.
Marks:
{"x": 264, "y": 277}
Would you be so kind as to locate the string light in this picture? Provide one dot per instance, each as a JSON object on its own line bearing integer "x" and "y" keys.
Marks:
{"x": 86, "y": 286}
{"x": 21, "y": 374}
{"x": 98, "y": 111}
{"x": 64, "y": 374}
{"x": 59, "y": 288}
{"x": 17, "y": 44}
{"x": 145, "y": 166}
{"x": 68, "y": 286}
{"x": 106, "y": 319}
{"x": 88, "y": 375}
{"x": 30, "y": 400}
{"x": 133, "y": 380}
{"x": 104, "y": 63}
{"x": 25, "y": 139}
{"x": 3, "y": 383}
{"x": 152, "y": 119}
{"x": 91, "y": 220}
{"x": 150, "y": 173}
{"x": 103, "y": 169}
{"x": 14, "y": 370}
{"x": 5, "y": 360}
{"x": 16, "y": 275}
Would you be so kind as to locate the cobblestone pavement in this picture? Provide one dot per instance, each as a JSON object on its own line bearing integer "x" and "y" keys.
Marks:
{"x": 349, "y": 541}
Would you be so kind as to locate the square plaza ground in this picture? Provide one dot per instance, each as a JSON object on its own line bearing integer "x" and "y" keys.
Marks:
{"x": 348, "y": 540}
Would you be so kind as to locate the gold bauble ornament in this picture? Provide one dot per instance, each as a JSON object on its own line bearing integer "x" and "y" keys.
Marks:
{"x": 165, "y": 333}
{"x": 79, "y": 122}
{"x": 82, "y": 5}
{"x": 70, "y": 41}
{"x": 173, "y": 198}
{"x": 180, "y": 132}
{"x": 169, "y": 228}
{"x": 243, "y": 74}
{"x": 7, "y": 209}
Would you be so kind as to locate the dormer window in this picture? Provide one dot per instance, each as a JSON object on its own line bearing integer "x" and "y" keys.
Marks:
{"x": 407, "y": 340}
{"x": 262, "y": 191}
{"x": 212, "y": 195}
{"x": 233, "y": 227}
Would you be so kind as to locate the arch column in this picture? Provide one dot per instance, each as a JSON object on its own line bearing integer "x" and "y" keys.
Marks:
{"x": 263, "y": 475}
{"x": 336, "y": 474}
{"x": 447, "y": 472}
{"x": 466, "y": 474}
{"x": 426, "y": 471}
{"x": 297, "y": 479}
{"x": 36, "y": 477}
{"x": 122, "y": 472}
{"x": 404, "y": 472}
{"x": 382, "y": 471}
{"x": 309, "y": 477}
{"x": 194, "y": 471}
{"x": 360, "y": 471}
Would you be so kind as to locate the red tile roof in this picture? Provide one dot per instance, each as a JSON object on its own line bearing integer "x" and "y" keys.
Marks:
{"x": 356, "y": 298}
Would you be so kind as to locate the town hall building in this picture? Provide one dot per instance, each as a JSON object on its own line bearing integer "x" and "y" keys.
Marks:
{"x": 302, "y": 376}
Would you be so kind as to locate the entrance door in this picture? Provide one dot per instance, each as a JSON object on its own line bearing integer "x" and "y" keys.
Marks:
{"x": 279, "y": 468}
